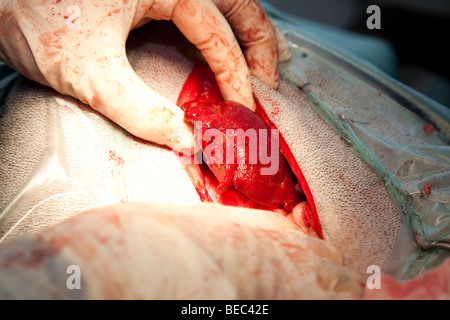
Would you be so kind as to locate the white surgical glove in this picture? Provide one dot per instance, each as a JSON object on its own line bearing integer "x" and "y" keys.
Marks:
{"x": 78, "y": 48}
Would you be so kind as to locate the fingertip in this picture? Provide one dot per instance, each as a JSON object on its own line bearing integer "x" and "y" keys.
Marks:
{"x": 252, "y": 105}
{"x": 211, "y": 33}
{"x": 262, "y": 60}
{"x": 182, "y": 140}
{"x": 270, "y": 78}
{"x": 237, "y": 86}
{"x": 284, "y": 54}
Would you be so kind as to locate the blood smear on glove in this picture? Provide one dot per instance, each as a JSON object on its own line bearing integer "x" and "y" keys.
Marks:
{"x": 428, "y": 129}
{"x": 118, "y": 161}
{"x": 201, "y": 86}
{"x": 426, "y": 189}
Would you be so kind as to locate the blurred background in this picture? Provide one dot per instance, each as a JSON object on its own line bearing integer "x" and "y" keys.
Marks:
{"x": 417, "y": 33}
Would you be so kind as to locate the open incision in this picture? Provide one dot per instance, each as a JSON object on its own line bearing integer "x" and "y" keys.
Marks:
{"x": 244, "y": 162}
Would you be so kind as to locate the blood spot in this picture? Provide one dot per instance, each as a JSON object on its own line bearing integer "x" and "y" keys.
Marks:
{"x": 426, "y": 189}
{"x": 428, "y": 129}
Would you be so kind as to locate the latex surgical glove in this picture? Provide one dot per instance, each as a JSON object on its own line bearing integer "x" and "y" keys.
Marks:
{"x": 154, "y": 251}
{"x": 78, "y": 49}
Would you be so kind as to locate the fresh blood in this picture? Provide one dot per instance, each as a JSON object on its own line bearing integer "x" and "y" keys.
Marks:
{"x": 240, "y": 184}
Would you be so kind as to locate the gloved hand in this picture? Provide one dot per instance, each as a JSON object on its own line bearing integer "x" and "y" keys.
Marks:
{"x": 79, "y": 50}
{"x": 153, "y": 251}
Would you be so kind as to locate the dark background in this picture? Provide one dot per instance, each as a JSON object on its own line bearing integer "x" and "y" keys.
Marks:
{"x": 418, "y": 30}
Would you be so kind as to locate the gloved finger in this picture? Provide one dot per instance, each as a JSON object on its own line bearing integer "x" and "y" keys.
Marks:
{"x": 204, "y": 26}
{"x": 90, "y": 64}
{"x": 110, "y": 85}
{"x": 254, "y": 29}
{"x": 284, "y": 54}
{"x": 136, "y": 107}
